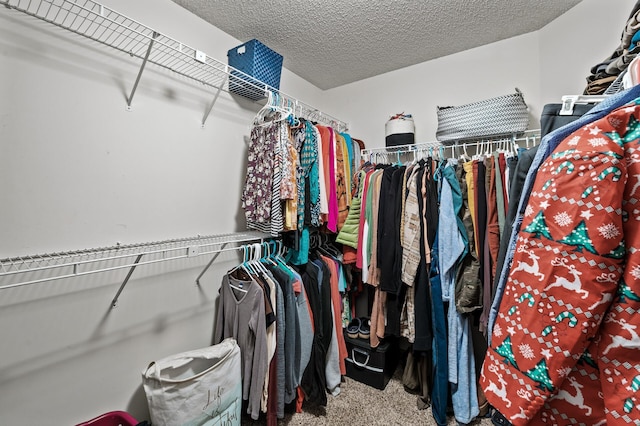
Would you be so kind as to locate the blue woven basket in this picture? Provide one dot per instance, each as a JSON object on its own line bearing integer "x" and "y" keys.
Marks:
{"x": 258, "y": 61}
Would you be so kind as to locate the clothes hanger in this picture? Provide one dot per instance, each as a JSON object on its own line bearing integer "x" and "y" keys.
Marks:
{"x": 278, "y": 252}
{"x": 272, "y": 106}
{"x": 268, "y": 254}
{"x": 509, "y": 146}
{"x": 398, "y": 162}
{"x": 464, "y": 157}
{"x": 326, "y": 247}
{"x": 441, "y": 161}
{"x": 478, "y": 153}
{"x": 515, "y": 147}
{"x": 248, "y": 265}
{"x": 569, "y": 102}
{"x": 257, "y": 259}
{"x": 292, "y": 118}
{"x": 240, "y": 266}
{"x": 260, "y": 115}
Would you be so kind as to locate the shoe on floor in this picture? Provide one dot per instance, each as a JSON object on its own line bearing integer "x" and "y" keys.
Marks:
{"x": 365, "y": 328}
{"x": 353, "y": 329}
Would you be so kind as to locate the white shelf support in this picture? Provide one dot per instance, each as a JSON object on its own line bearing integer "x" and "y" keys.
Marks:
{"x": 206, "y": 268}
{"x": 144, "y": 63}
{"x": 213, "y": 102}
{"x": 114, "y": 302}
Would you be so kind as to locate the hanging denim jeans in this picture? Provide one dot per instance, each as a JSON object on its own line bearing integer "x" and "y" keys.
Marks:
{"x": 440, "y": 391}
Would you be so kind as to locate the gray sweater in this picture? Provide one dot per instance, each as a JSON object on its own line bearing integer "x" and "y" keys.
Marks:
{"x": 241, "y": 316}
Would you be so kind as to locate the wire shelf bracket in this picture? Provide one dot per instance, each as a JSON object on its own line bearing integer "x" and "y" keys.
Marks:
{"x": 114, "y": 302}
{"x": 144, "y": 62}
{"x": 213, "y": 102}
{"x": 104, "y": 25}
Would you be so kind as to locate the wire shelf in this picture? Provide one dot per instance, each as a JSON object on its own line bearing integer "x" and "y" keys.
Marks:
{"x": 90, "y": 261}
{"x": 529, "y": 137}
{"x": 106, "y": 26}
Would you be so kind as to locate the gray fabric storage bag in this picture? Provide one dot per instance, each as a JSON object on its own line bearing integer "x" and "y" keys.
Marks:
{"x": 502, "y": 115}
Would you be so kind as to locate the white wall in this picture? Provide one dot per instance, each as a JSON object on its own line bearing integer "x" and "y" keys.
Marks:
{"x": 105, "y": 174}
{"x": 573, "y": 43}
{"x": 473, "y": 75}
{"x": 544, "y": 65}
{"x": 79, "y": 171}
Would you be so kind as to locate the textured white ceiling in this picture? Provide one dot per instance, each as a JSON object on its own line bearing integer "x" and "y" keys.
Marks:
{"x": 334, "y": 42}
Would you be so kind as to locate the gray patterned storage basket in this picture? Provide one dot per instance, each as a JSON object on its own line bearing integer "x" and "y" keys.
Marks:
{"x": 501, "y": 115}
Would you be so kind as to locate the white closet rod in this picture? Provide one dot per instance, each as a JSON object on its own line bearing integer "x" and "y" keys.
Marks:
{"x": 91, "y": 261}
{"x": 104, "y": 25}
{"x": 530, "y": 136}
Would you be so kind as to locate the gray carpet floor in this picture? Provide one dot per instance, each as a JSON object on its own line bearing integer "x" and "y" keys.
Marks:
{"x": 360, "y": 405}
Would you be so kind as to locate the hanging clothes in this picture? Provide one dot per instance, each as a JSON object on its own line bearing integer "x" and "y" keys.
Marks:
{"x": 576, "y": 315}
{"x": 389, "y": 217}
{"x": 241, "y": 315}
{"x": 298, "y": 175}
{"x": 453, "y": 241}
{"x": 414, "y": 203}
{"x": 314, "y": 381}
{"x": 343, "y": 179}
{"x": 261, "y": 193}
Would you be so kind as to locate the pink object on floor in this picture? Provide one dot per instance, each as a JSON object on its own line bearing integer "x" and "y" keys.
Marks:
{"x": 112, "y": 418}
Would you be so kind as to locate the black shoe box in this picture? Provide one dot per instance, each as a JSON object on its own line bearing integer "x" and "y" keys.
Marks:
{"x": 371, "y": 366}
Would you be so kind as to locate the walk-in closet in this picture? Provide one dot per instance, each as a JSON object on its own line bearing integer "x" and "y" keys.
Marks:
{"x": 276, "y": 213}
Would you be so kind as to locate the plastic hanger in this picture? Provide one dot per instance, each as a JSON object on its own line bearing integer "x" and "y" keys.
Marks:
{"x": 240, "y": 266}
{"x": 465, "y": 156}
{"x": 268, "y": 254}
{"x": 247, "y": 264}
{"x": 272, "y": 106}
{"x": 260, "y": 258}
{"x": 515, "y": 147}
{"x": 478, "y": 153}
{"x": 398, "y": 162}
{"x": 292, "y": 119}
{"x": 569, "y": 102}
{"x": 254, "y": 262}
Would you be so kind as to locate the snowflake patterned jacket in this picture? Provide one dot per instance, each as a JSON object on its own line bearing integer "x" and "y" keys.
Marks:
{"x": 565, "y": 346}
